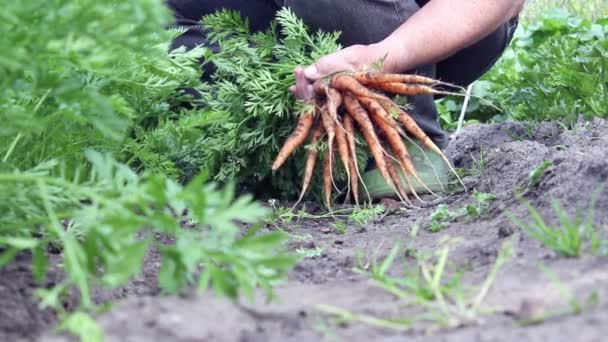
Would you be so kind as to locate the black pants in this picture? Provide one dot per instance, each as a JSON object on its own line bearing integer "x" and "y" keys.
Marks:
{"x": 362, "y": 22}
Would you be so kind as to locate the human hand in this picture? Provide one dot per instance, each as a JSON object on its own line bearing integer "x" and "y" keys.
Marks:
{"x": 352, "y": 58}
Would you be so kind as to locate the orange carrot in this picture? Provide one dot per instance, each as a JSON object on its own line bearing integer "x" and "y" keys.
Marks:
{"x": 349, "y": 128}
{"x": 395, "y": 176}
{"x": 394, "y": 140}
{"x": 330, "y": 128}
{"x": 367, "y": 78}
{"x": 344, "y": 82}
{"x": 410, "y": 89}
{"x": 327, "y": 178}
{"x": 343, "y": 151}
{"x": 297, "y": 137}
{"x": 379, "y": 109}
{"x": 360, "y": 115}
{"x": 311, "y": 158}
{"x": 320, "y": 87}
{"x": 334, "y": 101}
{"x": 410, "y": 125}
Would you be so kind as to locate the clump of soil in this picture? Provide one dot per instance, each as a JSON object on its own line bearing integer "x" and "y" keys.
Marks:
{"x": 510, "y": 151}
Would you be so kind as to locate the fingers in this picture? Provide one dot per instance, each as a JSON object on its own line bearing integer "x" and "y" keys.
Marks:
{"x": 348, "y": 59}
{"x": 303, "y": 87}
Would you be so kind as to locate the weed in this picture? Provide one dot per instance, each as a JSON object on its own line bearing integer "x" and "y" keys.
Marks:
{"x": 480, "y": 164}
{"x": 362, "y": 216}
{"x": 309, "y": 253}
{"x": 442, "y": 216}
{"x": 433, "y": 287}
{"x": 573, "y": 307}
{"x": 359, "y": 216}
{"x": 569, "y": 237}
{"x": 339, "y": 226}
{"x": 535, "y": 175}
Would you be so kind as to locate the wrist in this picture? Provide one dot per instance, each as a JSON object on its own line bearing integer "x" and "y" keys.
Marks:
{"x": 396, "y": 56}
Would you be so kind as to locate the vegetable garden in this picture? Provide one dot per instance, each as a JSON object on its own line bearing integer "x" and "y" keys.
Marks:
{"x": 133, "y": 211}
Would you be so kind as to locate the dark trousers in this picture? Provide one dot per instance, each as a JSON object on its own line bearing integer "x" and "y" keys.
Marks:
{"x": 361, "y": 22}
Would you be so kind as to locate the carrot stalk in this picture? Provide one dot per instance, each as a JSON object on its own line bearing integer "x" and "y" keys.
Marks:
{"x": 297, "y": 137}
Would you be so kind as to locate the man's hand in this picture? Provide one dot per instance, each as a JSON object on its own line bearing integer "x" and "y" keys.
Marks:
{"x": 353, "y": 58}
{"x": 436, "y": 31}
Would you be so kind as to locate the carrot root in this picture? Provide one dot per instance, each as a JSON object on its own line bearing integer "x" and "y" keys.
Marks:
{"x": 297, "y": 137}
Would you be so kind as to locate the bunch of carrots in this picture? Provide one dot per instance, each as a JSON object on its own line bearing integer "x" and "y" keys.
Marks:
{"x": 347, "y": 100}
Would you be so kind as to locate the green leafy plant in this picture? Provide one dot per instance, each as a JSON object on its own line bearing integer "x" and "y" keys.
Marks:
{"x": 113, "y": 218}
{"x": 555, "y": 68}
{"x": 84, "y": 76}
{"x": 248, "y": 110}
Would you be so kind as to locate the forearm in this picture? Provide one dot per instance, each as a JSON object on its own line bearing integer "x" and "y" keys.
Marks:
{"x": 442, "y": 28}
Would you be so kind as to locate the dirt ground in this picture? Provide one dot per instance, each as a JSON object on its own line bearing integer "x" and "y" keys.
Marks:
{"x": 509, "y": 152}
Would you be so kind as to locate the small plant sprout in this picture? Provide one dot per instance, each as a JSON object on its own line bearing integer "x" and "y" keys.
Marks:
{"x": 574, "y": 305}
{"x": 480, "y": 164}
{"x": 339, "y": 226}
{"x": 434, "y": 288}
{"x": 569, "y": 237}
{"x": 442, "y": 216}
{"x": 536, "y": 174}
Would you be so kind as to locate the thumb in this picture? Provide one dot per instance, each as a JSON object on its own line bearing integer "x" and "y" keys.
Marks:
{"x": 312, "y": 73}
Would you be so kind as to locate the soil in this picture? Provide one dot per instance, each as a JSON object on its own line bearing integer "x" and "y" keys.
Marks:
{"x": 499, "y": 158}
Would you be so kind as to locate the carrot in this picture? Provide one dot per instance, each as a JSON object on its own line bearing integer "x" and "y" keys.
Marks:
{"x": 311, "y": 158}
{"x": 344, "y": 83}
{"x": 343, "y": 151}
{"x": 395, "y": 176}
{"x": 359, "y": 114}
{"x": 320, "y": 87}
{"x": 297, "y": 137}
{"x": 409, "y": 89}
{"x": 349, "y": 128}
{"x": 394, "y": 140}
{"x": 330, "y": 128}
{"x": 327, "y": 179}
{"x": 380, "y": 108}
{"x": 334, "y": 101}
{"x": 367, "y": 78}
{"x": 410, "y": 125}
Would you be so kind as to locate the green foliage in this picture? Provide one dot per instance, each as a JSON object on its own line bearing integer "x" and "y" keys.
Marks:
{"x": 114, "y": 218}
{"x": 249, "y": 111}
{"x": 591, "y": 9}
{"x": 570, "y": 237}
{"x": 80, "y": 76}
{"x": 555, "y": 68}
